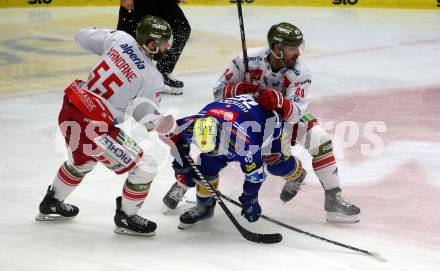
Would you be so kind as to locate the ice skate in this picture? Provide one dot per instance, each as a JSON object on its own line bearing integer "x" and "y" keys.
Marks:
{"x": 338, "y": 209}
{"x": 173, "y": 196}
{"x": 133, "y": 224}
{"x": 200, "y": 212}
{"x": 172, "y": 85}
{"x": 291, "y": 188}
{"x": 52, "y": 209}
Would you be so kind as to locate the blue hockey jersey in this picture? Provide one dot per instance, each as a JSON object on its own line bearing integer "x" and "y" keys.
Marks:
{"x": 246, "y": 132}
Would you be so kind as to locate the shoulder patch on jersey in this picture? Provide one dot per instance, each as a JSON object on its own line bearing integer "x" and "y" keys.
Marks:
{"x": 227, "y": 115}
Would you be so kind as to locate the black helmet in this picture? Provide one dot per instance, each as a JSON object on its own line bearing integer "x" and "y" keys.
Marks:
{"x": 152, "y": 28}
{"x": 285, "y": 34}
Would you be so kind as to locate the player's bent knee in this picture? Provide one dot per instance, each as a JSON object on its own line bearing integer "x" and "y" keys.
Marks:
{"x": 296, "y": 173}
{"x": 79, "y": 170}
{"x": 319, "y": 142}
{"x": 120, "y": 153}
{"x": 322, "y": 150}
{"x": 203, "y": 191}
{"x": 144, "y": 171}
{"x": 284, "y": 166}
{"x": 184, "y": 175}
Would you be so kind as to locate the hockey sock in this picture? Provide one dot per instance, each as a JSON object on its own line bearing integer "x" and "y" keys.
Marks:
{"x": 326, "y": 170}
{"x": 66, "y": 180}
{"x": 133, "y": 196}
{"x": 203, "y": 194}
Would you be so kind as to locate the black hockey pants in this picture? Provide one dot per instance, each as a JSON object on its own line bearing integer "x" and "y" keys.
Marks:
{"x": 168, "y": 10}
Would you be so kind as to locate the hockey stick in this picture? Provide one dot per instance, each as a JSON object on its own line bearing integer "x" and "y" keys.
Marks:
{"x": 243, "y": 41}
{"x": 374, "y": 254}
{"x": 265, "y": 238}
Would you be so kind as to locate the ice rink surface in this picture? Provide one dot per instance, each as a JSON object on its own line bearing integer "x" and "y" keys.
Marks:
{"x": 376, "y": 88}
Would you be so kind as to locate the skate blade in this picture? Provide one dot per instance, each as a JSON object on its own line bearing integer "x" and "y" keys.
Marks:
{"x": 166, "y": 209}
{"x": 52, "y": 217}
{"x": 172, "y": 91}
{"x": 333, "y": 217}
{"x": 183, "y": 226}
{"x": 124, "y": 231}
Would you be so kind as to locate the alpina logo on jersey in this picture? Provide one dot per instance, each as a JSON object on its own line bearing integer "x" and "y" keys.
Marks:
{"x": 129, "y": 51}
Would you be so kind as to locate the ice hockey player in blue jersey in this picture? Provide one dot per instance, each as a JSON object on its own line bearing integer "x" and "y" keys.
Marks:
{"x": 234, "y": 129}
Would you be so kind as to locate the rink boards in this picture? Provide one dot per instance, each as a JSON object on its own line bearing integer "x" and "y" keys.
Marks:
{"x": 399, "y": 4}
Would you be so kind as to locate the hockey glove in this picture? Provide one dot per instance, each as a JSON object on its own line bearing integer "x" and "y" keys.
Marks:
{"x": 271, "y": 99}
{"x": 168, "y": 131}
{"x": 240, "y": 88}
{"x": 170, "y": 134}
{"x": 166, "y": 126}
{"x": 183, "y": 173}
{"x": 251, "y": 209}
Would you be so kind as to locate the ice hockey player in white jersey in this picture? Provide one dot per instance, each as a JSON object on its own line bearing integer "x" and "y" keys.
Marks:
{"x": 123, "y": 81}
{"x": 283, "y": 84}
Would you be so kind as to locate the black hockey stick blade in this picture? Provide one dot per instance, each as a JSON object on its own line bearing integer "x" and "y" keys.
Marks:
{"x": 370, "y": 253}
{"x": 264, "y": 238}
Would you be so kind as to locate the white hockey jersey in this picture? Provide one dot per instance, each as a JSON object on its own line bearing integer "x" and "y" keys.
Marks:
{"x": 123, "y": 75}
{"x": 293, "y": 83}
